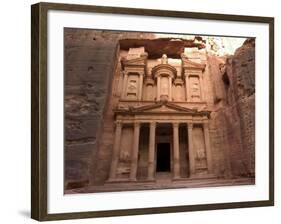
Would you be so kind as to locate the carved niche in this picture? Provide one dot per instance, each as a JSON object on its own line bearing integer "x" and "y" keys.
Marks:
{"x": 132, "y": 87}
{"x": 193, "y": 74}
{"x": 134, "y": 67}
{"x": 164, "y": 73}
{"x": 195, "y": 91}
{"x": 199, "y": 148}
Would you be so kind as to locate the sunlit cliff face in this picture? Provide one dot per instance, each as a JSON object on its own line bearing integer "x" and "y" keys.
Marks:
{"x": 219, "y": 46}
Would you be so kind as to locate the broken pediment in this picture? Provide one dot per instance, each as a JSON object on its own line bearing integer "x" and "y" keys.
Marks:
{"x": 191, "y": 65}
{"x": 134, "y": 62}
{"x": 134, "y": 53}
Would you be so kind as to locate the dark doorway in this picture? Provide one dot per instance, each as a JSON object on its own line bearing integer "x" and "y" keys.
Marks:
{"x": 163, "y": 157}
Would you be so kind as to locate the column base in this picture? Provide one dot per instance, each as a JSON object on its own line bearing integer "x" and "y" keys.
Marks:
{"x": 150, "y": 179}
{"x": 117, "y": 180}
{"x": 202, "y": 176}
{"x": 177, "y": 178}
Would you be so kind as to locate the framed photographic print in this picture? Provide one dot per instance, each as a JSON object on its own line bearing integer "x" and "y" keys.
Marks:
{"x": 139, "y": 111}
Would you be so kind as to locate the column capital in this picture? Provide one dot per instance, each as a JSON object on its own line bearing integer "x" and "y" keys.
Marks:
{"x": 118, "y": 123}
{"x": 189, "y": 125}
{"x": 176, "y": 124}
{"x": 152, "y": 124}
{"x": 206, "y": 125}
{"x": 186, "y": 74}
{"x": 137, "y": 124}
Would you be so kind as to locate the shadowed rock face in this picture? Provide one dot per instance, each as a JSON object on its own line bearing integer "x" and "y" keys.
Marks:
{"x": 233, "y": 119}
{"x": 241, "y": 70}
{"x": 91, "y": 62}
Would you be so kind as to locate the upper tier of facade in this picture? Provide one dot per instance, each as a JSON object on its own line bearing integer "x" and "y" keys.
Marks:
{"x": 163, "y": 79}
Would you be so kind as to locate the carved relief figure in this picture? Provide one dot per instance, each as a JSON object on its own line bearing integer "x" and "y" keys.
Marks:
{"x": 132, "y": 87}
{"x": 164, "y": 86}
{"x": 195, "y": 88}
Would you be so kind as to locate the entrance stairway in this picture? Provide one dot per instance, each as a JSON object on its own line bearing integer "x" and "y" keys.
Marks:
{"x": 162, "y": 182}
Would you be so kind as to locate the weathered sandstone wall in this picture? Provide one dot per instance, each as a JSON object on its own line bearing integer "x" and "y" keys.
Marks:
{"x": 233, "y": 116}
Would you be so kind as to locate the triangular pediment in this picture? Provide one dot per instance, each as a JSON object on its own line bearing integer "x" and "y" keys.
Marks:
{"x": 163, "y": 107}
{"x": 141, "y": 61}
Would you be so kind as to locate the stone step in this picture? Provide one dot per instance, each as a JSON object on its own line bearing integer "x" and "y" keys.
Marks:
{"x": 168, "y": 184}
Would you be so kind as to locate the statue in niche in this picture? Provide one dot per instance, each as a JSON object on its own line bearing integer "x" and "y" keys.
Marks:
{"x": 164, "y": 59}
{"x": 165, "y": 86}
{"x": 200, "y": 154}
{"x": 200, "y": 158}
{"x": 124, "y": 156}
{"x": 132, "y": 87}
{"x": 195, "y": 88}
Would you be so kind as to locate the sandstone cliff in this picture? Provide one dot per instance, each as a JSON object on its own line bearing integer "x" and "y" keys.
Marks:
{"x": 233, "y": 117}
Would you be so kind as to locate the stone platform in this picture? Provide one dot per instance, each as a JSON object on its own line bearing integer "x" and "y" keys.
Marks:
{"x": 163, "y": 184}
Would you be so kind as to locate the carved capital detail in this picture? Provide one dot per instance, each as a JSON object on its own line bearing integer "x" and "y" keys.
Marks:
{"x": 190, "y": 125}
{"x": 175, "y": 124}
{"x": 153, "y": 124}
{"x": 137, "y": 124}
{"x": 118, "y": 123}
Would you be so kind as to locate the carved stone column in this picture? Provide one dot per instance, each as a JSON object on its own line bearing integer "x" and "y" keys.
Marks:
{"x": 187, "y": 88}
{"x": 191, "y": 149}
{"x": 140, "y": 86}
{"x": 124, "y": 87}
{"x": 134, "y": 156}
{"x": 158, "y": 87}
{"x": 176, "y": 150}
{"x": 116, "y": 151}
{"x": 208, "y": 147}
{"x": 170, "y": 89}
{"x": 151, "y": 153}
